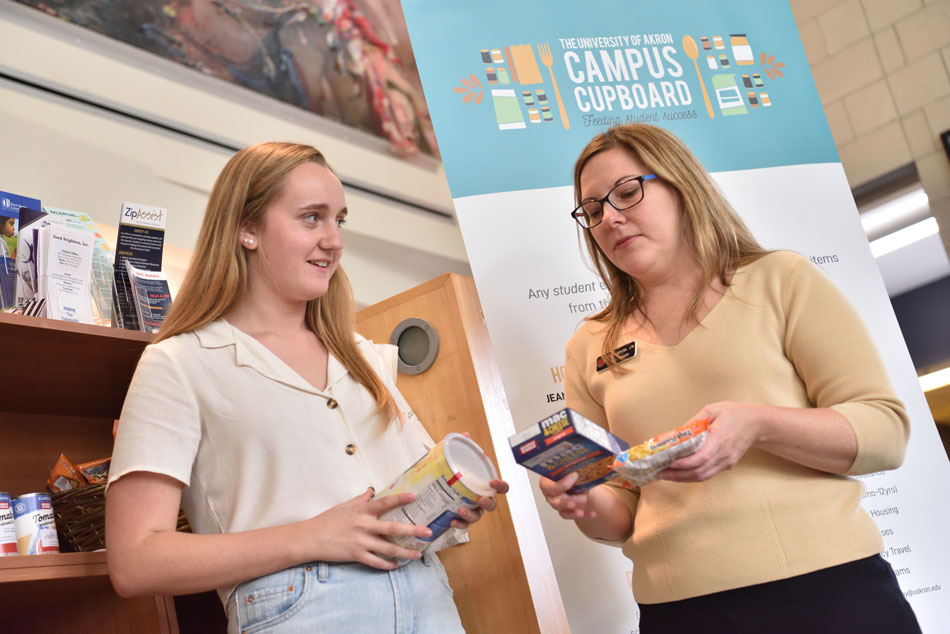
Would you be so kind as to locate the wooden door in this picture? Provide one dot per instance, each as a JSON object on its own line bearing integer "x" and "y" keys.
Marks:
{"x": 503, "y": 579}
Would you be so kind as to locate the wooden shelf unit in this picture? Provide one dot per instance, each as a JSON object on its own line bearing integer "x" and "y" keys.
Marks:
{"x": 46, "y": 567}
{"x": 64, "y": 384}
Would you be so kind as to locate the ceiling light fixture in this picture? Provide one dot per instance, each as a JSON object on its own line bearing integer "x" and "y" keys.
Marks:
{"x": 935, "y": 380}
{"x": 895, "y": 213}
{"x": 903, "y": 237}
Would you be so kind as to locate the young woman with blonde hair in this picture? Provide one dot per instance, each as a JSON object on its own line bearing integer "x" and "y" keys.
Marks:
{"x": 759, "y": 530}
{"x": 265, "y": 416}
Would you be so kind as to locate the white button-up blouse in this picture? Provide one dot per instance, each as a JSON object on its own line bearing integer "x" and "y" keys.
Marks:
{"x": 254, "y": 443}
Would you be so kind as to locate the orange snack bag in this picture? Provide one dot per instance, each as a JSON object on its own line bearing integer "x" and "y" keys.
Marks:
{"x": 95, "y": 471}
{"x": 640, "y": 464}
{"x": 64, "y": 476}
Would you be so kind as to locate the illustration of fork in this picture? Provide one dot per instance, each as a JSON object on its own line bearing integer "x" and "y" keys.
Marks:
{"x": 544, "y": 50}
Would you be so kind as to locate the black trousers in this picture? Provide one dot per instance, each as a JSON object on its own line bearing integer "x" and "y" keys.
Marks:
{"x": 860, "y": 597}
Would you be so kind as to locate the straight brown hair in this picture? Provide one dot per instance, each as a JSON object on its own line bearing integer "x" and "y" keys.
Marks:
{"x": 718, "y": 239}
{"x": 217, "y": 275}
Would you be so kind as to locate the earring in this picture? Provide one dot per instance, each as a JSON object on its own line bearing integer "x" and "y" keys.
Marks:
{"x": 249, "y": 241}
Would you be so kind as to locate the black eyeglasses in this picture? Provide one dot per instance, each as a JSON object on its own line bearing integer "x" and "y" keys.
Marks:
{"x": 624, "y": 195}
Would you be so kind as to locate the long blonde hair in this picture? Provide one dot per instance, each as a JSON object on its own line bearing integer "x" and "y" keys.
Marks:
{"x": 216, "y": 279}
{"x": 715, "y": 234}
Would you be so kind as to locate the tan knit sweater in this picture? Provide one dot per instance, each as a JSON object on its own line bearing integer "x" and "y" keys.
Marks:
{"x": 782, "y": 335}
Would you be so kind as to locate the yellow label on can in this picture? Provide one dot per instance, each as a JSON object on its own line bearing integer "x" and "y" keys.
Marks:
{"x": 440, "y": 491}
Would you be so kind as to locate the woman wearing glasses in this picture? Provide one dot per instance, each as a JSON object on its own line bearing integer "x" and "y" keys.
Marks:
{"x": 759, "y": 530}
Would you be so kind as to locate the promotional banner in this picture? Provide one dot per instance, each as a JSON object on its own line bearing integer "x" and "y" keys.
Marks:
{"x": 517, "y": 89}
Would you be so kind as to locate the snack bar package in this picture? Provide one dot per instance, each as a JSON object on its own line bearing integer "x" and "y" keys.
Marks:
{"x": 566, "y": 442}
{"x": 639, "y": 465}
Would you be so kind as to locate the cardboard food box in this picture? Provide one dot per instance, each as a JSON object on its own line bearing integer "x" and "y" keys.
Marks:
{"x": 566, "y": 442}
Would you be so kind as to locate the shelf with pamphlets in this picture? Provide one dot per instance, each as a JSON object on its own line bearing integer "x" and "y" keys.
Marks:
{"x": 55, "y": 263}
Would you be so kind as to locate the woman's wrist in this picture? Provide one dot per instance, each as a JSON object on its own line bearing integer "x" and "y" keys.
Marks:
{"x": 762, "y": 419}
{"x": 295, "y": 543}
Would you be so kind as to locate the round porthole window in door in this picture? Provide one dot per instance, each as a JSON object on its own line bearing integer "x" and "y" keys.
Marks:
{"x": 418, "y": 344}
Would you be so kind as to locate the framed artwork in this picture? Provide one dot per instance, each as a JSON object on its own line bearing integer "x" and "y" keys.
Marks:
{"x": 347, "y": 60}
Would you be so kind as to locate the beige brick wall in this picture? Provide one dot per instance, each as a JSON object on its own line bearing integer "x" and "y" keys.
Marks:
{"x": 882, "y": 68}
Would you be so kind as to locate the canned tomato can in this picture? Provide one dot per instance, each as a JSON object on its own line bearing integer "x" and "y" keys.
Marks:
{"x": 35, "y": 524}
{"x": 7, "y": 527}
{"x": 455, "y": 473}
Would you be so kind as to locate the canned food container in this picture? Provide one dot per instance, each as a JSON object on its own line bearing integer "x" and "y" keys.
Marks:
{"x": 7, "y": 527}
{"x": 455, "y": 473}
{"x": 35, "y": 524}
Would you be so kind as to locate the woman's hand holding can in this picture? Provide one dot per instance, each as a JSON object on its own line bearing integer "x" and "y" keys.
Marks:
{"x": 352, "y": 531}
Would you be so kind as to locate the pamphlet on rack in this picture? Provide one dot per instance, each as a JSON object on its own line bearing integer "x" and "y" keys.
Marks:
{"x": 64, "y": 267}
{"x": 152, "y": 297}
{"x": 102, "y": 257}
{"x": 26, "y": 254}
{"x": 140, "y": 241}
{"x": 10, "y": 205}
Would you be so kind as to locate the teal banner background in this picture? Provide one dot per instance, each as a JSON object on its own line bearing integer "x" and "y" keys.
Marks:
{"x": 480, "y": 158}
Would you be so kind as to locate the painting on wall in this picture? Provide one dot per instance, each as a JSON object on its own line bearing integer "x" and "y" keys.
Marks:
{"x": 347, "y": 60}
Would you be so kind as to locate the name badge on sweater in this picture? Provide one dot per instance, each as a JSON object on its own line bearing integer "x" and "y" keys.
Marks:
{"x": 624, "y": 352}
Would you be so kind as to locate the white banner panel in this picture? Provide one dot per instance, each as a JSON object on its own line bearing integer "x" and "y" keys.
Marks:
{"x": 517, "y": 89}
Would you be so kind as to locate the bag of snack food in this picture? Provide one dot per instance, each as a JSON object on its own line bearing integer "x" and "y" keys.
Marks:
{"x": 639, "y": 465}
{"x": 95, "y": 471}
{"x": 64, "y": 476}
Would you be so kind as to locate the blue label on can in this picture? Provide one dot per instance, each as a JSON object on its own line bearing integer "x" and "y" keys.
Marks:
{"x": 31, "y": 502}
{"x": 440, "y": 524}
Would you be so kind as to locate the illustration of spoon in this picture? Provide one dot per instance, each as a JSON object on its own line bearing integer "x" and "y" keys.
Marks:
{"x": 692, "y": 52}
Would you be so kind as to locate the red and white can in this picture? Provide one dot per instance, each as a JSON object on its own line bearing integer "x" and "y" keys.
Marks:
{"x": 7, "y": 527}
{"x": 35, "y": 524}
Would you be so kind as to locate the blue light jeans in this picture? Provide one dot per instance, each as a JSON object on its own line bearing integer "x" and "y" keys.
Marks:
{"x": 347, "y": 599}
